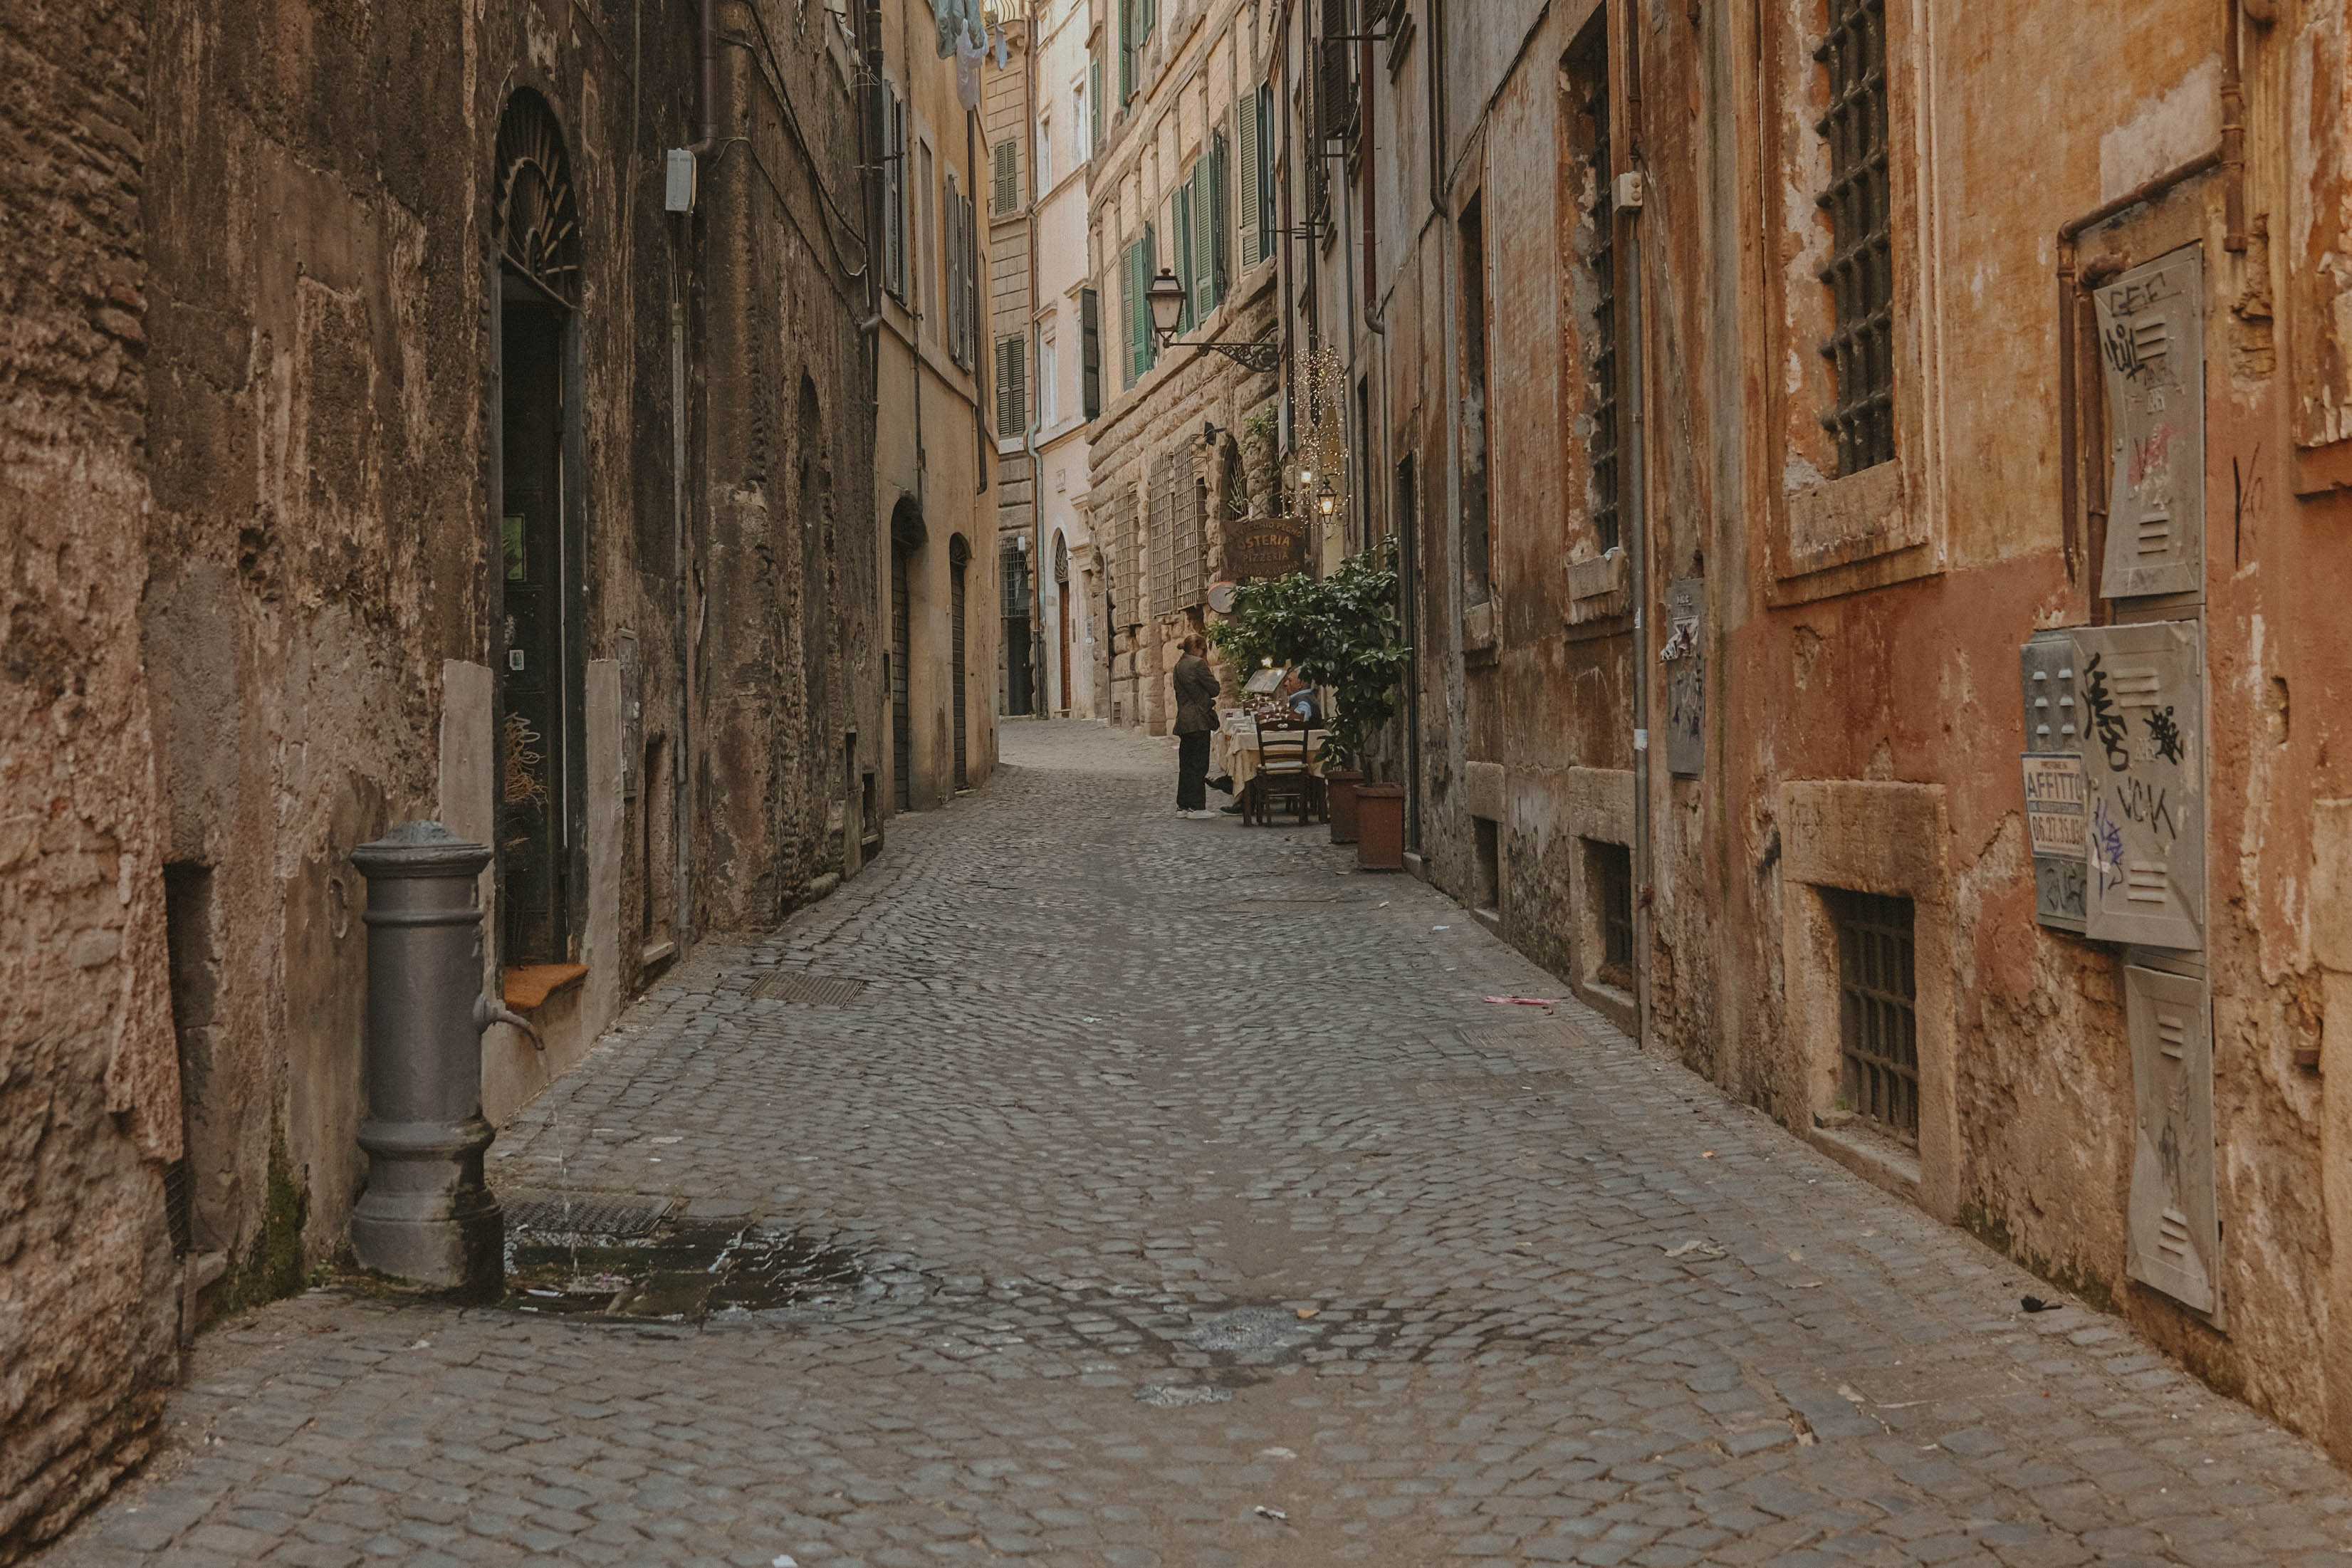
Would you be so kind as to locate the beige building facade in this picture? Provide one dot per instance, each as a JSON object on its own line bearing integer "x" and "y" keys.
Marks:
{"x": 1181, "y": 460}
{"x": 1045, "y": 113}
{"x": 935, "y": 457}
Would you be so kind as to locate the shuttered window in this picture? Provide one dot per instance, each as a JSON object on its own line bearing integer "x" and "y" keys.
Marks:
{"x": 1187, "y": 251}
{"x": 1090, "y": 351}
{"x": 1335, "y": 93}
{"x": 1011, "y": 386}
{"x": 1142, "y": 346}
{"x": 1093, "y": 105}
{"x": 1221, "y": 221}
{"x": 1253, "y": 231}
{"x": 952, "y": 244}
{"x": 971, "y": 282}
{"x": 1007, "y": 155}
{"x": 894, "y": 193}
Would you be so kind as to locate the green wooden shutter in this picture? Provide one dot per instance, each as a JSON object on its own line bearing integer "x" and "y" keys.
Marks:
{"x": 1131, "y": 301}
{"x": 1012, "y": 387}
{"x": 1203, "y": 283}
{"x": 1252, "y": 236}
{"x": 1127, "y": 39}
{"x": 1221, "y": 221}
{"x": 1180, "y": 209}
{"x": 1008, "y": 176}
{"x": 1090, "y": 352}
{"x": 1095, "y": 103}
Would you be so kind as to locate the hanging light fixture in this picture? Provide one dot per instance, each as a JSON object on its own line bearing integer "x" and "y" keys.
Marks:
{"x": 1167, "y": 298}
{"x": 1326, "y": 500}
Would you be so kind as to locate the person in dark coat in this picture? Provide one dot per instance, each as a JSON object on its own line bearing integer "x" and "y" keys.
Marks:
{"x": 1196, "y": 719}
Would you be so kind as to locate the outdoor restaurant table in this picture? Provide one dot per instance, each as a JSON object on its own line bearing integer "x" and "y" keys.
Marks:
{"x": 1233, "y": 750}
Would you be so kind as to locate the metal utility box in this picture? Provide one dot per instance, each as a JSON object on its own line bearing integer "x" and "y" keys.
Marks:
{"x": 2143, "y": 704}
{"x": 2174, "y": 1234}
{"x": 2057, "y": 799}
{"x": 2152, "y": 351}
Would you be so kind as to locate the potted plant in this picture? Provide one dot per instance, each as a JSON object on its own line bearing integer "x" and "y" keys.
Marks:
{"x": 1340, "y": 632}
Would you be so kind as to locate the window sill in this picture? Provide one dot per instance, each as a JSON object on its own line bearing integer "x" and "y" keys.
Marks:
{"x": 1600, "y": 588}
{"x": 1862, "y": 531}
{"x": 528, "y": 989}
{"x": 1878, "y": 1161}
{"x": 1478, "y": 629}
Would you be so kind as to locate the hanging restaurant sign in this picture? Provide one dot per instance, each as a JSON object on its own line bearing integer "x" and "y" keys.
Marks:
{"x": 1261, "y": 547}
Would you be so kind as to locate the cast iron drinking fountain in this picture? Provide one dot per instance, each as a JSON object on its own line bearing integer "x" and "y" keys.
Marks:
{"x": 427, "y": 1217}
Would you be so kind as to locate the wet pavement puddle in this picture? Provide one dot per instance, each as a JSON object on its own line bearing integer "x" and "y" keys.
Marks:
{"x": 677, "y": 1272}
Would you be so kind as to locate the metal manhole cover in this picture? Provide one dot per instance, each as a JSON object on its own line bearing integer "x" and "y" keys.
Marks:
{"x": 809, "y": 990}
{"x": 583, "y": 1214}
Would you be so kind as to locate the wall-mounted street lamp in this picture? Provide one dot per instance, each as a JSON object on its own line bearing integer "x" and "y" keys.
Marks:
{"x": 1326, "y": 500}
{"x": 1166, "y": 297}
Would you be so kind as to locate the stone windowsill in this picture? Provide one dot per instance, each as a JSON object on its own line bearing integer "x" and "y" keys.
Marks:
{"x": 1876, "y": 1160}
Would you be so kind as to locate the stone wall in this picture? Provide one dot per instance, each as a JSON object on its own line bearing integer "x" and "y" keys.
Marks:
{"x": 90, "y": 1115}
{"x": 1856, "y": 639}
{"x": 254, "y": 489}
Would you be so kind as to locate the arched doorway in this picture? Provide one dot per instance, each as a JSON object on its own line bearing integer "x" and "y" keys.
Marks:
{"x": 907, "y": 533}
{"x": 1062, "y": 613}
{"x": 540, "y": 633}
{"x": 959, "y": 559}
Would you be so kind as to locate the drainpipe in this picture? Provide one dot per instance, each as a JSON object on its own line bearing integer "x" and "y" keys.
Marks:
{"x": 2234, "y": 135}
{"x": 1638, "y": 547}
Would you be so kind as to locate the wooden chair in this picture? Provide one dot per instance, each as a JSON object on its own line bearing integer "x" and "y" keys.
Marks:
{"x": 1284, "y": 774}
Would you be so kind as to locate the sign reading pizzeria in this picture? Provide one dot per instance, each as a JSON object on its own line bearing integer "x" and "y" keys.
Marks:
{"x": 1261, "y": 547}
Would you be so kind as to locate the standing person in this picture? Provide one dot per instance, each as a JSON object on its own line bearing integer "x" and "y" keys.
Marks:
{"x": 1196, "y": 718}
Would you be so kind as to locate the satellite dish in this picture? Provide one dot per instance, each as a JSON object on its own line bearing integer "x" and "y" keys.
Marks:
{"x": 1221, "y": 599}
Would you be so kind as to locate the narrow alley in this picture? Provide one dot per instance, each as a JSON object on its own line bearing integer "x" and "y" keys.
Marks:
{"x": 1191, "y": 1203}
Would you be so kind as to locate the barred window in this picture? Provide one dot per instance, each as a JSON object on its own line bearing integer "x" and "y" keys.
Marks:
{"x": 1860, "y": 269}
{"x": 1588, "y": 96}
{"x": 1878, "y": 1022}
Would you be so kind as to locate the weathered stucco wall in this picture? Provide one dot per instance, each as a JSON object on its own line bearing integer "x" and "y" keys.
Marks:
{"x": 88, "y": 1094}
{"x": 934, "y": 458}
{"x": 253, "y": 449}
{"x": 1862, "y": 634}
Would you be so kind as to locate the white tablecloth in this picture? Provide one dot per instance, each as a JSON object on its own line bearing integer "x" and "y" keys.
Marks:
{"x": 1233, "y": 751}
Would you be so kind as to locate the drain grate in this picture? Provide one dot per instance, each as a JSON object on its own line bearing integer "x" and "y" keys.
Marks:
{"x": 583, "y": 1214}
{"x": 809, "y": 990}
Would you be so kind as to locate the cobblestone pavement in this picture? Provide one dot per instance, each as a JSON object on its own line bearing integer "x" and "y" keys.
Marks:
{"x": 1203, "y": 1212}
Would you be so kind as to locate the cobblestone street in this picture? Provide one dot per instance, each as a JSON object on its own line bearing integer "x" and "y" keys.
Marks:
{"x": 1197, "y": 1209}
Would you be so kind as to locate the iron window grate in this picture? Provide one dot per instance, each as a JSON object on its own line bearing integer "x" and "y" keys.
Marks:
{"x": 1602, "y": 261}
{"x": 1613, "y": 885}
{"x": 1860, "y": 269}
{"x": 1878, "y": 1042}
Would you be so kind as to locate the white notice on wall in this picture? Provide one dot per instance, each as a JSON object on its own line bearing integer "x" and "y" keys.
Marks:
{"x": 2056, "y": 805}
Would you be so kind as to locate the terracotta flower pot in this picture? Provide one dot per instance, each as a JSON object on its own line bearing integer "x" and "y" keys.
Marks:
{"x": 1379, "y": 827}
{"x": 1340, "y": 784}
